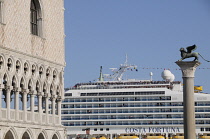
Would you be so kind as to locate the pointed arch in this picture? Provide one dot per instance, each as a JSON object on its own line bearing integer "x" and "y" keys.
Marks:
{"x": 14, "y": 81}
{"x": 27, "y": 134}
{"x": 54, "y": 136}
{"x": 6, "y": 83}
{"x": 30, "y": 85}
{"x": 58, "y": 91}
{"x": 52, "y": 89}
{"x": 43, "y": 135}
{"x": 11, "y": 134}
{"x": 38, "y": 86}
{"x": 5, "y": 80}
{"x": 22, "y": 83}
{"x": 45, "y": 88}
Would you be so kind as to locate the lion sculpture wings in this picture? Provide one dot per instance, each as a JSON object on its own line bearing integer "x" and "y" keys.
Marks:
{"x": 187, "y": 54}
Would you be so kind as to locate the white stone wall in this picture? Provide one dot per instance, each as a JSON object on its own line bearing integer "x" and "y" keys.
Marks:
{"x": 45, "y": 51}
{"x": 15, "y": 29}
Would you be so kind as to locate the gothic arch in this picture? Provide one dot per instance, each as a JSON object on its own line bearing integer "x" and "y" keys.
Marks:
{"x": 56, "y": 135}
{"x": 42, "y": 135}
{"x": 6, "y": 79}
{"x": 45, "y": 88}
{"x": 14, "y": 81}
{"x": 30, "y": 85}
{"x": 23, "y": 83}
{"x": 38, "y": 86}
{"x": 27, "y": 134}
{"x": 52, "y": 89}
{"x": 11, "y": 134}
{"x": 58, "y": 91}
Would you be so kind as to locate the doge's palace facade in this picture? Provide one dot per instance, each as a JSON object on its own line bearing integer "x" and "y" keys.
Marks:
{"x": 31, "y": 69}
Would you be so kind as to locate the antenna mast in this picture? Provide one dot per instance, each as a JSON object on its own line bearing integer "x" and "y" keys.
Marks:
{"x": 118, "y": 73}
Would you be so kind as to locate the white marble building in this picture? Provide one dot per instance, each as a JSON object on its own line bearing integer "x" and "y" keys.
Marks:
{"x": 32, "y": 65}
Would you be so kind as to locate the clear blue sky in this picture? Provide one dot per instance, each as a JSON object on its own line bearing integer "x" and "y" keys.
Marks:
{"x": 150, "y": 32}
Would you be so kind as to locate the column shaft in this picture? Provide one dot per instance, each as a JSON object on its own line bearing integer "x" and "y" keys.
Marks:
{"x": 0, "y": 102}
{"x": 32, "y": 107}
{"x": 47, "y": 109}
{"x": 40, "y": 108}
{"x": 53, "y": 110}
{"x": 25, "y": 106}
{"x": 8, "y": 103}
{"x": 189, "y": 107}
{"x": 188, "y": 70}
{"x": 59, "y": 111}
{"x": 17, "y": 105}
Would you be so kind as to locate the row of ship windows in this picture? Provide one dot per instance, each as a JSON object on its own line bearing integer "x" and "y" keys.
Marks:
{"x": 157, "y": 116}
{"x": 123, "y": 93}
{"x": 105, "y": 105}
{"x": 94, "y": 123}
{"x": 154, "y": 98}
{"x": 158, "y": 110}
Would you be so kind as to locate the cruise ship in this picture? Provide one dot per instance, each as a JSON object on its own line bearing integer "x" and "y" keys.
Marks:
{"x": 131, "y": 109}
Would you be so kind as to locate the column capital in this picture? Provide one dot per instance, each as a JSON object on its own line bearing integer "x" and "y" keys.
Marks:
{"x": 16, "y": 89}
{"x": 59, "y": 98}
{"x": 39, "y": 93}
{"x": 188, "y": 67}
{"x": 53, "y": 96}
{"x": 46, "y": 95}
{"x": 32, "y": 92}
{"x": 25, "y": 91}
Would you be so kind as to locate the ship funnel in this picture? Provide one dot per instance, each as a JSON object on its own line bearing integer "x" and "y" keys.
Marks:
{"x": 101, "y": 78}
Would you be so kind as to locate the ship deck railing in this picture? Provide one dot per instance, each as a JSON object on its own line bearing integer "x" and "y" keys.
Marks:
{"x": 118, "y": 85}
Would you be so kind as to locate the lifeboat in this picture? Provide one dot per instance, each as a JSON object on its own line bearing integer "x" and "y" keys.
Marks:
{"x": 155, "y": 137}
{"x": 178, "y": 137}
{"x": 128, "y": 137}
{"x": 204, "y": 137}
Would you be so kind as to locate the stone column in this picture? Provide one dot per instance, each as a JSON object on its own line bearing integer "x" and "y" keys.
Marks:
{"x": 0, "y": 101}
{"x": 188, "y": 69}
{"x": 32, "y": 105}
{"x": 17, "y": 103}
{"x": 40, "y": 106}
{"x": 53, "y": 108}
{"x": 59, "y": 109}
{"x": 25, "y": 91}
{"x": 47, "y": 108}
{"x": 8, "y": 100}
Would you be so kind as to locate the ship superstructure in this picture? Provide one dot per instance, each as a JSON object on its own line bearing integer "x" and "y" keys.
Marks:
{"x": 139, "y": 108}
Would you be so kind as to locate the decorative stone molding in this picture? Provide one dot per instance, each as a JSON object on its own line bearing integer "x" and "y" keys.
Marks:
{"x": 188, "y": 67}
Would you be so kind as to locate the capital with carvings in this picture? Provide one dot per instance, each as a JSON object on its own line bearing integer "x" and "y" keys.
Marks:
{"x": 188, "y": 67}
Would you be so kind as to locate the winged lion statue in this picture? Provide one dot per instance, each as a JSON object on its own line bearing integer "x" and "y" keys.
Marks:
{"x": 187, "y": 54}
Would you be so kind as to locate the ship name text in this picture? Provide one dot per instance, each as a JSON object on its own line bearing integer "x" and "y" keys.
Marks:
{"x": 152, "y": 130}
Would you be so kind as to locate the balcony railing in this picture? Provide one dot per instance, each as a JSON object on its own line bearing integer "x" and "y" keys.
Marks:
{"x": 29, "y": 117}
